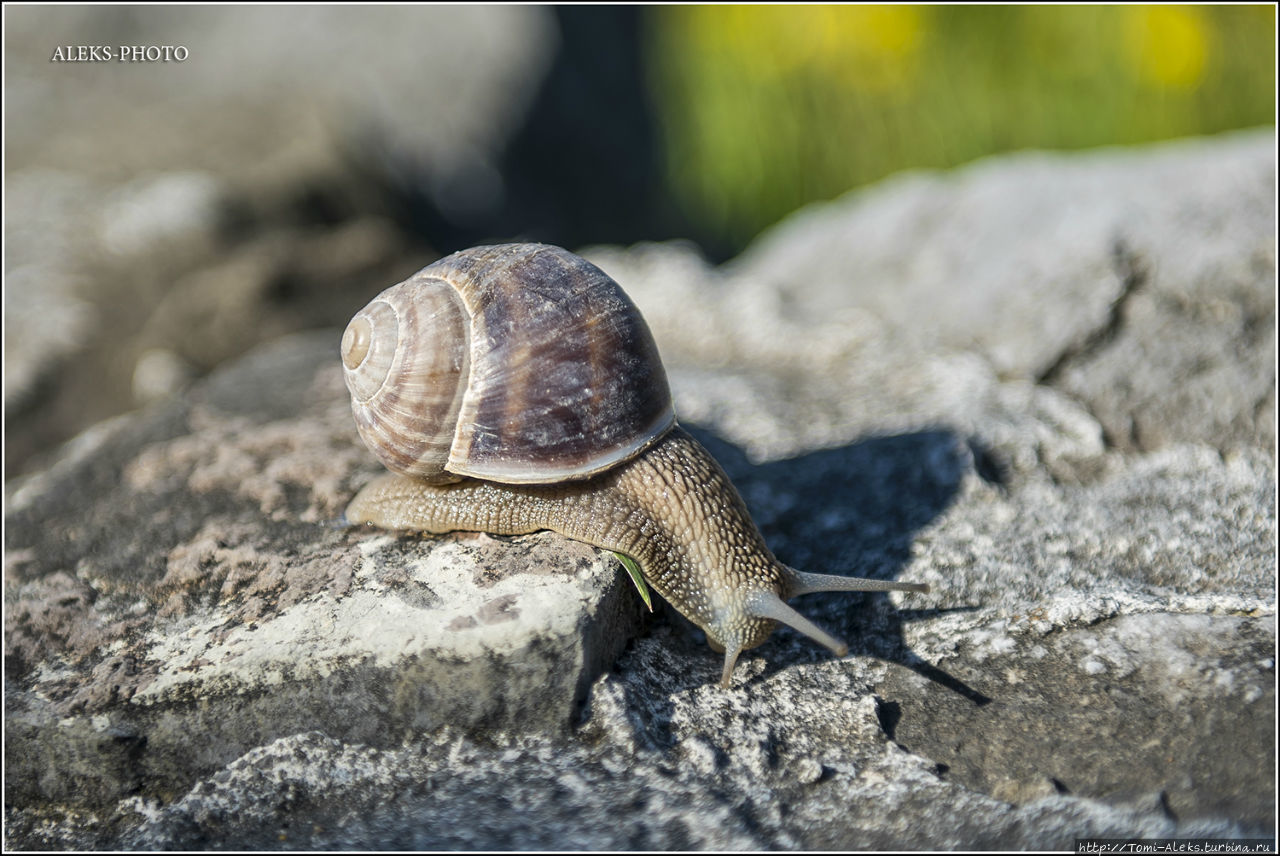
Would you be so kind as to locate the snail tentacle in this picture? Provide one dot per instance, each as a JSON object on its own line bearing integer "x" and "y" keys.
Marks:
{"x": 799, "y": 582}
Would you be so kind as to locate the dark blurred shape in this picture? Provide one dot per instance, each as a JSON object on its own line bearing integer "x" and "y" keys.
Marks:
{"x": 585, "y": 167}
{"x": 888, "y": 712}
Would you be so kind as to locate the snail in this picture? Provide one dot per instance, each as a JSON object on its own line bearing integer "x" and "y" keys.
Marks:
{"x": 516, "y": 388}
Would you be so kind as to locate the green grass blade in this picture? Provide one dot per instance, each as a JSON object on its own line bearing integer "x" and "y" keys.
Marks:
{"x": 634, "y": 571}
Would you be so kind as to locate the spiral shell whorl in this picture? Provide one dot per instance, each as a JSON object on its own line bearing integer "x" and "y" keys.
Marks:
{"x": 405, "y": 361}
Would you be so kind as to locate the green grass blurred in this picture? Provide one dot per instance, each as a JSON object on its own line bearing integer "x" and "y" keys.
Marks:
{"x": 766, "y": 108}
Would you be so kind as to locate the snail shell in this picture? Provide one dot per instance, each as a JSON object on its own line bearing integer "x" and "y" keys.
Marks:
{"x": 519, "y": 364}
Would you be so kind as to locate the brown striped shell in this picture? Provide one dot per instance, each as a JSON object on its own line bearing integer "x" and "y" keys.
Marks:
{"x": 518, "y": 363}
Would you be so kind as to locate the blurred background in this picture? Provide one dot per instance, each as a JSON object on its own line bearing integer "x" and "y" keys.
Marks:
{"x": 162, "y": 217}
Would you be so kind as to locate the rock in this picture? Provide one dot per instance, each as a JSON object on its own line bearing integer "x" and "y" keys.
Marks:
{"x": 46, "y": 323}
{"x": 1179, "y": 697}
{"x": 1095, "y": 658}
{"x": 1154, "y": 309}
{"x": 134, "y": 303}
{"x": 161, "y": 209}
{"x": 159, "y": 373}
{"x": 189, "y": 574}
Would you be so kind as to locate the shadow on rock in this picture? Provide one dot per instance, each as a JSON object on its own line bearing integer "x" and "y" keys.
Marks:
{"x": 857, "y": 509}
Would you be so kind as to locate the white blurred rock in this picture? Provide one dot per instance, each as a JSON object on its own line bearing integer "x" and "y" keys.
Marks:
{"x": 160, "y": 373}
{"x": 170, "y": 208}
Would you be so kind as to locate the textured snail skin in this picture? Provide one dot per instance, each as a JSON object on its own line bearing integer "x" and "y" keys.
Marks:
{"x": 672, "y": 509}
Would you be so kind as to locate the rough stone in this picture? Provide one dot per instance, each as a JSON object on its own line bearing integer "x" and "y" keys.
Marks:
{"x": 1155, "y": 309}
{"x": 189, "y": 573}
{"x": 1095, "y": 658}
{"x": 1166, "y": 707}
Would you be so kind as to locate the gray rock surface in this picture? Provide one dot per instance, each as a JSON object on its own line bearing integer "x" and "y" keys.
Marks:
{"x": 243, "y": 610}
{"x": 198, "y": 656}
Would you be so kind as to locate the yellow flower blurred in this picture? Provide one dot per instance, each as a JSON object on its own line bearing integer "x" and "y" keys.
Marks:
{"x": 1169, "y": 45}
{"x": 866, "y": 47}
{"x": 861, "y": 47}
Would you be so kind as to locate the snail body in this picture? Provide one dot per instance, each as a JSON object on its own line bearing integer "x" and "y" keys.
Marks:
{"x": 516, "y": 388}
